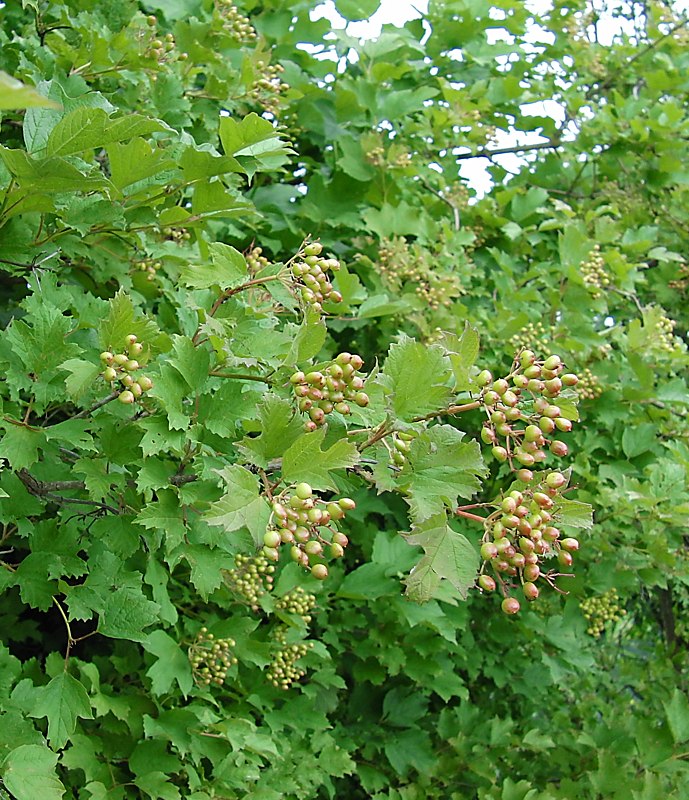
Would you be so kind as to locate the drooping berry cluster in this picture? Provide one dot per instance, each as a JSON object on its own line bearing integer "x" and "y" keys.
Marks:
{"x": 521, "y": 411}
{"x": 594, "y": 274}
{"x": 319, "y": 393}
{"x": 519, "y": 536}
{"x": 121, "y": 366}
{"x": 681, "y": 281}
{"x": 298, "y": 601}
{"x": 235, "y": 24}
{"x": 251, "y": 578}
{"x": 211, "y": 658}
{"x": 600, "y": 610}
{"x": 283, "y": 671}
{"x": 255, "y": 260}
{"x": 268, "y": 89}
{"x": 312, "y": 278}
{"x": 150, "y": 266}
{"x": 305, "y": 522}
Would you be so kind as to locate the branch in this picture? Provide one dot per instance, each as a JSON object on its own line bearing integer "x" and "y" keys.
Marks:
{"x": 99, "y": 404}
{"x": 240, "y": 377}
{"x": 500, "y": 151}
{"x": 455, "y": 210}
{"x": 451, "y": 410}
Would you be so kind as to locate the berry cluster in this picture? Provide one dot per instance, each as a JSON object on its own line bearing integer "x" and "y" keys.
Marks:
{"x": 161, "y": 49}
{"x": 176, "y": 235}
{"x": 235, "y": 24}
{"x": 267, "y": 90}
{"x": 300, "y": 521}
{"x": 401, "y": 264}
{"x": 255, "y": 260}
{"x": 211, "y": 658}
{"x": 251, "y": 578}
{"x": 598, "y": 611}
{"x": 283, "y": 671}
{"x": 149, "y": 266}
{"x": 320, "y": 393}
{"x": 594, "y": 274}
{"x": 527, "y": 396}
{"x": 400, "y": 447}
{"x": 681, "y": 282}
{"x": 534, "y": 336}
{"x": 120, "y": 366}
{"x": 665, "y": 339}
{"x": 297, "y": 601}
{"x": 519, "y": 535}
{"x": 312, "y": 279}
{"x": 377, "y": 157}
{"x": 589, "y": 387}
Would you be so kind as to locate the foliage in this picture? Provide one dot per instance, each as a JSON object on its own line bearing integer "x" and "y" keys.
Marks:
{"x": 250, "y": 312}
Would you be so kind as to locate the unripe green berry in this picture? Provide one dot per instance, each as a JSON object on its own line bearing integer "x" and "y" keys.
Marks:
{"x": 107, "y": 357}
{"x": 571, "y": 545}
{"x": 109, "y": 374}
{"x": 556, "y": 480}
{"x": 271, "y": 539}
{"x": 570, "y": 379}
{"x": 530, "y": 591}
{"x": 346, "y": 504}
{"x": 126, "y": 397}
{"x": 319, "y": 572}
{"x": 313, "y": 249}
{"x": 484, "y": 378}
{"x": 130, "y": 339}
{"x": 488, "y": 551}
{"x": 499, "y": 453}
{"x": 303, "y": 491}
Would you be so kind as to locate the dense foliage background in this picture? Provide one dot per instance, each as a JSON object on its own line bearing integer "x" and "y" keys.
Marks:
{"x": 150, "y": 149}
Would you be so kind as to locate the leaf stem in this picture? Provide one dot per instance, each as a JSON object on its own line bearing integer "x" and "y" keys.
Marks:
{"x": 240, "y": 377}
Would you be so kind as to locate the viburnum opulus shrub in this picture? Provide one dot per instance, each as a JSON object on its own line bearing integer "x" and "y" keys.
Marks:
{"x": 301, "y": 443}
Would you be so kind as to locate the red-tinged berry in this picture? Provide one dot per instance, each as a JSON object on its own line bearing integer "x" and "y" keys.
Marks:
{"x": 486, "y": 583}
{"x": 532, "y": 433}
{"x": 346, "y": 504}
{"x": 571, "y": 545}
{"x": 109, "y": 374}
{"x": 510, "y": 605}
{"x": 553, "y": 386}
{"x": 542, "y": 500}
{"x": 532, "y": 572}
{"x": 297, "y": 377}
{"x": 488, "y": 551}
{"x": 145, "y": 383}
{"x": 546, "y": 425}
{"x": 570, "y": 379}
{"x": 487, "y": 435}
{"x": 565, "y": 559}
{"x": 500, "y": 386}
{"x": 502, "y": 544}
{"x": 357, "y": 361}
{"x": 564, "y": 425}
{"x": 556, "y": 480}
{"x": 313, "y": 547}
{"x": 340, "y": 538}
{"x": 107, "y": 357}
{"x": 527, "y": 358}
{"x": 518, "y": 560}
{"x": 484, "y": 378}
{"x": 510, "y": 399}
{"x": 490, "y": 398}
{"x": 135, "y": 389}
{"x": 343, "y": 358}
{"x": 530, "y": 591}
{"x": 319, "y": 572}
{"x": 525, "y": 475}
{"x": 130, "y": 339}
{"x": 361, "y": 399}
{"x": 558, "y": 448}
{"x": 120, "y": 359}
{"x": 126, "y": 397}
{"x": 533, "y": 371}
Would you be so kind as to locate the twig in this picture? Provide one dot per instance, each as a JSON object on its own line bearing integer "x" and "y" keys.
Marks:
{"x": 500, "y": 151}
{"x": 451, "y": 410}
{"x": 99, "y": 404}
{"x": 240, "y": 377}
{"x": 455, "y": 210}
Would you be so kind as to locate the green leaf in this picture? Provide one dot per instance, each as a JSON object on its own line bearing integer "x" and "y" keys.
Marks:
{"x": 227, "y": 269}
{"x": 14, "y": 94}
{"x": 81, "y": 378}
{"x": 280, "y": 428}
{"x": 305, "y": 461}
{"x": 29, "y": 773}
{"x": 123, "y": 320}
{"x": 573, "y": 514}
{"x": 88, "y": 128}
{"x": 309, "y": 340}
{"x": 166, "y": 516}
{"x": 135, "y": 161}
{"x": 448, "y": 556}
{"x": 62, "y": 701}
{"x": 442, "y": 468}
{"x": 462, "y": 351}
{"x": 172, "y": 665}
{"x": 20, "y": 445}
{"x": 242, "y": 506}
{"x": 677, "y": 715}
{"x": 415, "y": 379}
{"x": 254, "y": 142}
{"x": 638, "y": 439}
{"x": 357, "y": 9}
{"x": 126, "y": 612}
